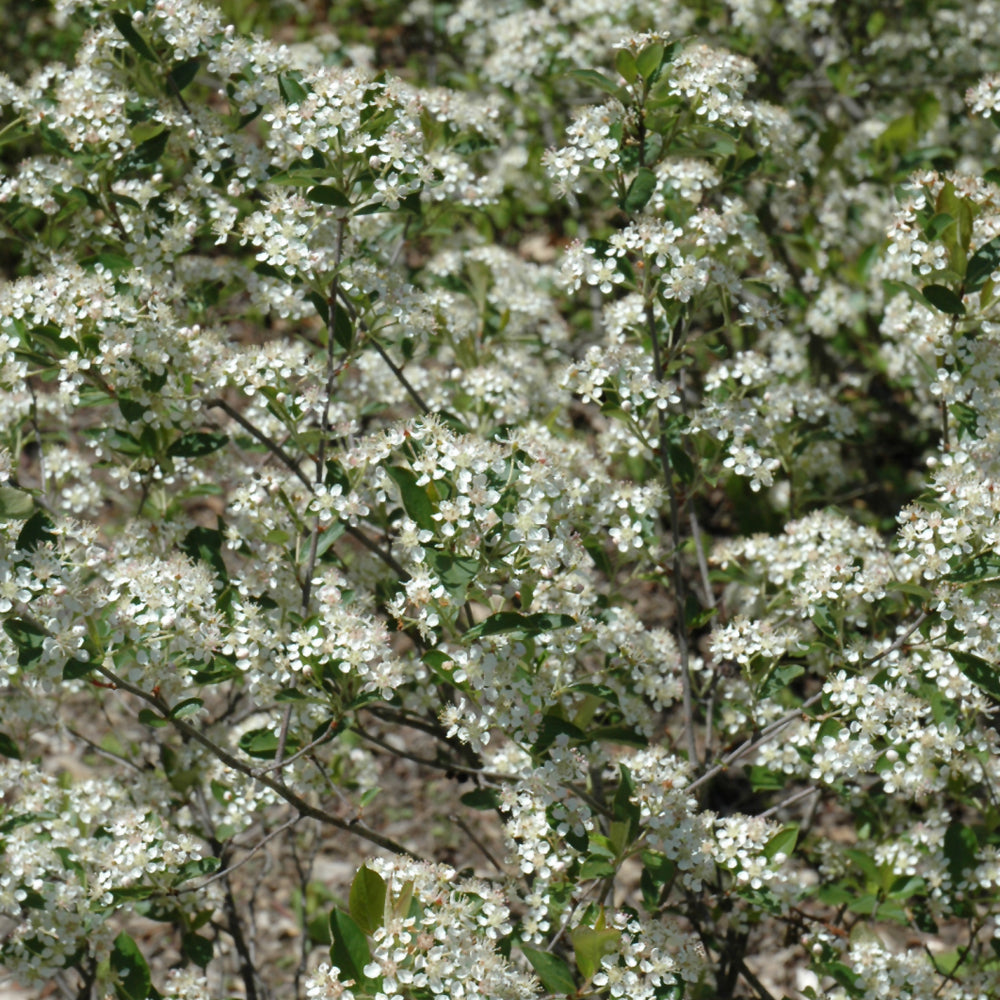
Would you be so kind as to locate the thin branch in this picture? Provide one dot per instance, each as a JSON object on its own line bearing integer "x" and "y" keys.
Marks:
{"x": 487, "y": 853}
{"x": 680, "y": 590}
{"x": 770, "y": 731}
{"x": 393, "y": 367}
{"x": 355, "y": 827}
{"x": 223, "y": 873}
{"x": 268, "y": 442}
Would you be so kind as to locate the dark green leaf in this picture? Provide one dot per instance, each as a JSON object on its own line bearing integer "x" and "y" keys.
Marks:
{"x": 982, "y": 264}
{"x": 184, "y": 72}
{"x": 327, "y": 194}
{"x": 197, "y": 949}
{"x": 189, "y": 706}
{"x": 196, "y": 444}
{"x": 153, "y": 719}
{"x": 292, "y": 91}
{"x": 205, "y": 545}
{"x": 943, "y": 298}
{"x": 764, "y": 780}
{"x": 37, "y": 530}
{"x": 124, "y": 25}
{"x": 983, "y": 568}
{"x": 481, "y": 798}
{"x": 982, "y": 673}
{"x": 349, "y": 951}
{"x": 519, "y": 626}
{"x": 552, "y": 726}
{"x": 779, "y": 678}
{"x": 131, "y": 969}
{"x": 553, "y": 972}
{"x": 263, "y": 744}
{"x": 195, "y": 869}
{"x": 343, "y": 331}
{"x": 147, "y": 153}
{"x": 960, "y": 850}
{"x": 590, "y": 946}
{"x": 367, "y": 900}
{"x": 8, "y": 748}
{"x": 415, "y": 499}
{"x": 640, "y": 190}
{"x": 321, "y": 306}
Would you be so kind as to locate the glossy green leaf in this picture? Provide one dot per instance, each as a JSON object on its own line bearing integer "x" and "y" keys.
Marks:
{"x": 640, "y": 190}
{"x": 196, "y": 444}
{"x": 982, "y": 264}
{"x": 367, "y": 900}
{"x": 349, "y": 951}
{"x": 551, "y": 970}
{"x": 123, "y": 22}
{"x": 783, "y": 842}
{"x": 130, "y": 968}
{"x": 944, "y": 299}
{"x": 416, "y": 502}
{"x": 982, "y": 673}
{"x": 519, "y": 626}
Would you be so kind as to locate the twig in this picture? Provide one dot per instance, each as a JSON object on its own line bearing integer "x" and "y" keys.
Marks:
{"x": 467, "y": 830}
{"x": 223, "y": 873}
{"x": 771, "y": 730}
{"x": 393, "y": 367}
{"x": 356, "y": 827}
{"x": 675, "y": 531}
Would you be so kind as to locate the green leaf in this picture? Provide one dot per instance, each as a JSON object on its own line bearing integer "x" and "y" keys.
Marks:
{"x": 147, "y": 153}
{"x": 327, "y": 194}
{"x": 189, "y": 706}
{"x": 481, "y": 798}
{"x": 982, "y": 264}
{"x": 626, "y": 65}
{"x": 551, "y": 727}
{"x": 367, "y": 900}
{"x": 779, "y": 678}
{"x": 263, "y": 744}
{"x": 599, "y": 80}
{"x": 292, "y": 91}
{"x": 519, "y": 626}
{"x": 415, "y": 499}
{"x": 124, "y": 25}
{"x": 640, "y": 190}
{"x": 195, "y": 868}
{"x": 763, "y": 779}
{"x": 152, "y": 719}
{"x": 649, "y": 60}
{"x": 983, "y": 568}
{"x": 205, "y": 545}
{"x": 343, "y": 331}
{"x": 982, "y": 673}
{"x": 624, "y": 809}
{"x": 130, "y": 968}
{"x": 197, "y": 444}
{"x": 15, "y": 504}
{"x": 944, "y": 299}
{"x": 455, "y": 572}
{"x": 783, "y": 842}
{"x": 349, "y": 951}
{"x": 8, "y": 748}
{"x": 553, "y": 972}
{"x": 184, "y": 72}
{"x": 37, "y": 530}
{"x": 197, "y": 949}
{"x": 960, "y": 849}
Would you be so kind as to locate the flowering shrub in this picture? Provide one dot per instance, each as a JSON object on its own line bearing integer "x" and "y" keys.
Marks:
{"x": 590, "y": 410}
